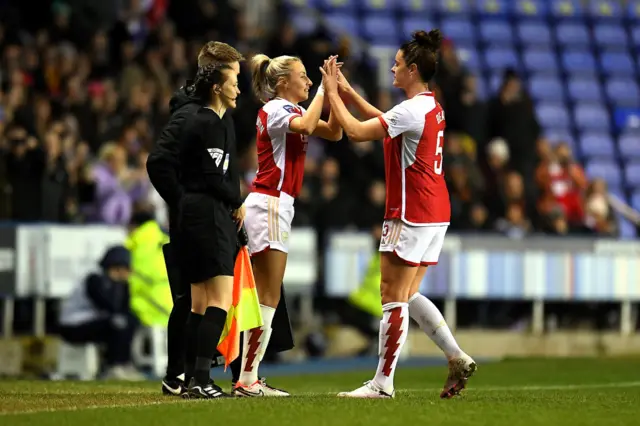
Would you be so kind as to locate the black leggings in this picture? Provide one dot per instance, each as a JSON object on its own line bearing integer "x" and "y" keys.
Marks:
{"x": 118, "y": 339}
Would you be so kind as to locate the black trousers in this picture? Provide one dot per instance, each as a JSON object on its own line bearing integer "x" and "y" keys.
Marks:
{"x": 116, "y": 337}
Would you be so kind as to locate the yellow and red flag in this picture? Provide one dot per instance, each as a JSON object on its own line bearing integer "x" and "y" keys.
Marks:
{"x": 244, "y": 313}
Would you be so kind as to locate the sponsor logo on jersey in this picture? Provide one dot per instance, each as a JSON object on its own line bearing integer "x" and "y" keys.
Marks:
{"x": 216, "y": 154}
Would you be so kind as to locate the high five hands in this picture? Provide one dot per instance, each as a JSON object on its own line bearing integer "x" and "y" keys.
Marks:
{"x": 332, "y": 77}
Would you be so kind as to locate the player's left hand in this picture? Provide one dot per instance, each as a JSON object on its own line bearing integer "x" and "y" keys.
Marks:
{"x": 238, "y": 216}
{"x": 330, "y": 75}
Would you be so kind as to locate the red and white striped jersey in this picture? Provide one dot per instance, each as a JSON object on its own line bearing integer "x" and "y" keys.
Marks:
{"x": 416, "y": 191}
{"x": 281, "y": 153}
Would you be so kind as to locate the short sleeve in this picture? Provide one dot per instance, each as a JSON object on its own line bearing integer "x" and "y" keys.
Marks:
{"x": 278, "y": 120}
{"x": 398, "y": 120}
{"x": 213, "y": 137}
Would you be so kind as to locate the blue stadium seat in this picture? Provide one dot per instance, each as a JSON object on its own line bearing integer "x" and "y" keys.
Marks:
{"x": 495, "y": 32}
{"x": 563, "y": 9}
{"x": 610, "y": 35}
{"x": 626, "y": 118}
{"x": 379, "y": 6}
{"x": 559, "y": 135}
{"x": 343, "y": 24}
{"x": 458, "y": 29}
{"x": 410, "y": 24}
{"x": 450, "y": 7}
{"x": 597, "y": 144}
{"x": 591, "y": 117}
{"x": 529, "y": 8}
{"x": 304, "y": 23}
{"x": 546, "y": 88}
{"x": 584, "y": 89}
{"x": 469, "y": 56}
{"x": 380, "y": 30}
{"x": 501, "y": 58}
{"x": 416, "y": 7}
{"x": 534, "y": 33}
{"x": 604, "y": 169}
{"x": 540, "y": 61}
{"x": 578, "y": 61}
{"x": 632, "y": 174}
{"x": 335, "y": 6}
{"x": 492, "y": 7}
{"x": 617, "y": 63}
{"x": 635, "y": 36}
{"x": 629, "y": 145}
{"x": 635, "y": 200}
{"x": 572, "y": 34}
{"x": 623, "y": 91}
{"x": 553, "y": 115}
{"x": 606, "y": 9}
{"x": 627, "y": 229}
{"x": 633, "y": 10}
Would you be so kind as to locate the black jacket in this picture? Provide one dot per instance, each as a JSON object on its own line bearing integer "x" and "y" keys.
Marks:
{"x": 163, "y": 164}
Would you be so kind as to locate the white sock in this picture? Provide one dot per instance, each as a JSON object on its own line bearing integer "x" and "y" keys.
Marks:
{"x": 394, "y": 328}
{"x": 431, "y": 321}
{"x": 255, "y": 343}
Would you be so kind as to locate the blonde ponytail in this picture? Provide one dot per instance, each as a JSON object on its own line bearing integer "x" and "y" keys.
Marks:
{"x": 267, "y": 74}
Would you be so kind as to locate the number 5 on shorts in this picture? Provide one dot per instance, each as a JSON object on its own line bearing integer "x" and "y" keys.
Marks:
{"x": 437, "y": 165}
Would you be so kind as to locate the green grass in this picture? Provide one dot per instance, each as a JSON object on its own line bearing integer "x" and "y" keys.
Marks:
{"x": 516, "y": 392}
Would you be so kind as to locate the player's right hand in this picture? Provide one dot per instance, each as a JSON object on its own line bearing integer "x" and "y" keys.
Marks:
{"x": 343, "y": 84}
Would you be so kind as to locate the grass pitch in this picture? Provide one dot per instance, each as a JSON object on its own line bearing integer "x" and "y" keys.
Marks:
{"x": 517, "y": 392}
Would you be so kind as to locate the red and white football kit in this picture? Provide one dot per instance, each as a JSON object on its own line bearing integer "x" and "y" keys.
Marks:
{"x": 418, "y": 209}
{"x": 281, "y": 158}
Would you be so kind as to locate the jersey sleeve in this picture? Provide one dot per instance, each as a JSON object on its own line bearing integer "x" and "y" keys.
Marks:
{"x": 399, "y": 120}
{"x": 278, "y": 120}
{"x": 213, "y": 138}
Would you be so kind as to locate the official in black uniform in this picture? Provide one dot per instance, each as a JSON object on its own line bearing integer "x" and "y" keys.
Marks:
{"x": 163, "y": 167}
{"x": 210, "y": 215}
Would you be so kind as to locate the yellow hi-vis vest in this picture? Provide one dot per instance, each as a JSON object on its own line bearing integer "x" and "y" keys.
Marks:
{"x": 149, "y": 287}
{"x": 367, "y": 296}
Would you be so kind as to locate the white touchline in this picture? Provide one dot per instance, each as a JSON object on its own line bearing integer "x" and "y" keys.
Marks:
{"x": 480, "y": 389}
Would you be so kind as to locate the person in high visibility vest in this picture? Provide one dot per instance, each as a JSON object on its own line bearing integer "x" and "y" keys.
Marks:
{"x": 151, "y": 299}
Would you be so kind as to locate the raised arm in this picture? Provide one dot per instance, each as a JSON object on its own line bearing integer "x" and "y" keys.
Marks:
{"x": 364, "y": 107}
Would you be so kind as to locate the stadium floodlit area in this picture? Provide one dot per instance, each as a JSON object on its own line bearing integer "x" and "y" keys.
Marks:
{"x": 514, "y": 392}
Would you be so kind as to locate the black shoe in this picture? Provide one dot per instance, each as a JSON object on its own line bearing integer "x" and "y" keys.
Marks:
{"x": 173, "y": 387}
{"x": 207, "y": 391}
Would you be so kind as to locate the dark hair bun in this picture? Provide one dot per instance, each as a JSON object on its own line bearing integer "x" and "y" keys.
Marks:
{"x": 431, "y": 40}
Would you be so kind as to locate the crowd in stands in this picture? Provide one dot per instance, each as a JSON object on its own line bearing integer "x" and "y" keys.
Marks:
{"x": 82, "y": 103}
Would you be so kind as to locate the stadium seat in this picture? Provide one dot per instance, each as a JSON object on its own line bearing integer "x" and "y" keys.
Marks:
{"x": 380, "y": 30}
{"x": 604, "y": 169}
{"x": 386, "y": 7}
{"x": 566, "y": 9}
{"x": 616, "y": 63}
{"x": 415, "y": 7}
{"x": 412, "y": 24}
{"x": 591, "y": 117}
{"x": 635, "y": 200}
{"x": 559, "y": 135}
{"x": 605, "y": 9}
{"x": 553, "y": 115}
{"x": 627, "y": 229}
{"x": 492, "y": 7}
{"x": 495, "y": 32}
{"x": 623, "y": 91}
{"x": 341, "y": 23}
{"x": 458, "y": 29}
{"x": 501, "y": 58}
{"x": 583, "y": 89}
{"x": 626, "y": 118}
{"x": 546, "y": 88}
{"x": 610, "y": 35}
{"x": 304, "y": 23}
{"x": 534, "y": 33}
{"x": 529, "y": 8}
{"x": 337, "y": 6}
{"x": 635, "y": 36}
{"x": 78, "y": 361}
{"x": 632, "y": 174}
{"x": 578, "y": 61}
{"x": 469, "y": 56}
{"x": 629, "y": 145}
{"x": 451, "y": 7}
{"x": 572, "y": 34}
{"x": 599, "y": 145}
{"x": 633, "y": 10}
{"x": 540, "y": 61}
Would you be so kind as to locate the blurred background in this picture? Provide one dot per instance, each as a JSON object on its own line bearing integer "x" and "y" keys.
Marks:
{"x": 542, "y": 159}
